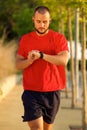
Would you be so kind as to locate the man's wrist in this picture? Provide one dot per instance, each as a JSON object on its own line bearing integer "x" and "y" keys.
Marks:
{"x": 41, "y": 55}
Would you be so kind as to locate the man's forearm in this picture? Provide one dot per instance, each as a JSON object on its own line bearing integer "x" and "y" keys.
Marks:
{"x": 60, "y": 59}
{"x": 22, "y": 63}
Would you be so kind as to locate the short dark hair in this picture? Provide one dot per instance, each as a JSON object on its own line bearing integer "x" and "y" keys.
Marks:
{"x": 42, "y": 9}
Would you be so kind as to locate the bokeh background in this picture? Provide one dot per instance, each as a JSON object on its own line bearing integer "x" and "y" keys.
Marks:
{"x": 69, "y": 17}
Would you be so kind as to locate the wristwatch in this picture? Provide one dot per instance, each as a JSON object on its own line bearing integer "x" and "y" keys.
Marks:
{"x": 41, "y": 55}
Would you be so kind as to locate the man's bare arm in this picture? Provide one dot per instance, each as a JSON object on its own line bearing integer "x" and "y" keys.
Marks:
{"x": 59, "y": 59}
{"x": 22, "y": 63}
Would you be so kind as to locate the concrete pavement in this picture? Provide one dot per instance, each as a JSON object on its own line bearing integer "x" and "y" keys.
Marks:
{"x": 11, "y": 110}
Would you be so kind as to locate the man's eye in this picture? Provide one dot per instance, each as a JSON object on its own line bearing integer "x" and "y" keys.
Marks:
{"x": 45, "y": 22}
{"x": 38, "y": 21}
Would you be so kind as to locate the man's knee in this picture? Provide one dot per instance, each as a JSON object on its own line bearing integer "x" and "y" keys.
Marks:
{"x": 35, "y": 128}
{"x": 36, "y": 124}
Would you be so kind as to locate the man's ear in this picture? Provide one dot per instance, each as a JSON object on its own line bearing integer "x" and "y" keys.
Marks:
{"x": 50, "y": 20}
{"x": 33, "y": 19}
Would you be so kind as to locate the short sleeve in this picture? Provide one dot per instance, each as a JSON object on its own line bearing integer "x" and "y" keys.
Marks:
{"x": 61, "y": 43}
{"x": 21, "y": 47}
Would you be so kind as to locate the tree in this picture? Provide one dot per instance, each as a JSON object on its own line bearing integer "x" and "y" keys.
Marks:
{"x": 72, "y": 60}
{"x": 9, "y": 11}
{"x": 84, "y": 110}
{"x": 23, "y": 20}
{"x": 7, "y": 8}
{"x": 76, "y": 52}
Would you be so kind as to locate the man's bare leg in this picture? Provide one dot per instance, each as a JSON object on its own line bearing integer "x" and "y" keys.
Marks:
{"x": 47, "y": 126}
{"x": 36, "y": 124}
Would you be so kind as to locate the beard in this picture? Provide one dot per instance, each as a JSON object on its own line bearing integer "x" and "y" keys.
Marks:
{"x": 39, "y": 32}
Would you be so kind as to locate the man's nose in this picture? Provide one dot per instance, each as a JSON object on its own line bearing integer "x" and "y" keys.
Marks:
{"x": 42, "y": 24}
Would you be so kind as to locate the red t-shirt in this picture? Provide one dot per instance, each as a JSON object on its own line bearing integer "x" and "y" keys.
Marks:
{"x": 41, "y": 75}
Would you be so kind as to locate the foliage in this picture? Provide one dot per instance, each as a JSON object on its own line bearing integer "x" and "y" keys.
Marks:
{"x": 12, "y": 9}
{"x": 16, "y": 15}
{"x": 23, "y": 20}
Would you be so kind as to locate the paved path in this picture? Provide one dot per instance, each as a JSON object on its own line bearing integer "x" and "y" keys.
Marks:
{"x": 11, "y": 110}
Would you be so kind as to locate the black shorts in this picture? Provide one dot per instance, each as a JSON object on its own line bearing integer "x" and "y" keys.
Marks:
{"x": 37, "y": 104}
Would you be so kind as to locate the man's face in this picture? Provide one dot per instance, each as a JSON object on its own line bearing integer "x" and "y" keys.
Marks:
{"x": 41, "y": 22}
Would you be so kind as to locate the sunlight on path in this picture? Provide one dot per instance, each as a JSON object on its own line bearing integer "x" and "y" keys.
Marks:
{"x": 11, "y": 110}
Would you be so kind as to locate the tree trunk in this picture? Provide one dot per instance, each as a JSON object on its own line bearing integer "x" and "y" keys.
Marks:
{"x": 61, "y": 23}
{"x": 76, "y": 52}
{"x": 61, "y": 26}
{"x": 66, "y": 90}
{"x": 84, "y": 110}
{"x": 72, "y": 60}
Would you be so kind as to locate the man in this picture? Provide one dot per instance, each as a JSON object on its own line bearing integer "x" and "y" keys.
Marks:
{"x": 43, "y": 55}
